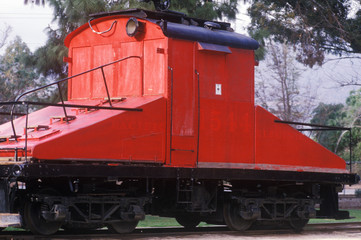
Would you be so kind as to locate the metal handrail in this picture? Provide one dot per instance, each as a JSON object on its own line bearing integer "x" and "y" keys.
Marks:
{"x": 58, "y": 85}
{"x": 322, "y": 128}
{"x": 69, "y": 105}
{"x": 63, "y": 105}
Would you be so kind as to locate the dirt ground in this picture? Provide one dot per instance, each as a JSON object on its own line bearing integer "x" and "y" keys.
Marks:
{"x": 314, "y": 232}
{"x": 332, "y": 235}
{"x": 307, "y": 236}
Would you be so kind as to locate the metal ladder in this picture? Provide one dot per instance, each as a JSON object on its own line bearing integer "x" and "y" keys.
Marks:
{"x": 185, "y": 193}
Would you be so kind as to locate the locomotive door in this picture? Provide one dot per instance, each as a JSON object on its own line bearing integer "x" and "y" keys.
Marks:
{"x": 226, "y": 132}
{"x": 183, "y": 150}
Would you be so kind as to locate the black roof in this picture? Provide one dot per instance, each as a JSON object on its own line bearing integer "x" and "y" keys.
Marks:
{"x": 178, "y": 25}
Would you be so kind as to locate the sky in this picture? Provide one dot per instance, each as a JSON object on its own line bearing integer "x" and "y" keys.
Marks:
{"x": 27, "y": 21}
{"x": 30, "y": 21}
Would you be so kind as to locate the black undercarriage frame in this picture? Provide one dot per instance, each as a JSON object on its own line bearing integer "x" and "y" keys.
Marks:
{"x": 108, "y": 205}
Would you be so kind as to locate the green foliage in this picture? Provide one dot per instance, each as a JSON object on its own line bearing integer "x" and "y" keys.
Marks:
{"x": 206, "y": 9}
{"x": 358, "y": 193}
{"x": 353, "y": 120}
{"x": 354, "y": 213}
{"x": 260, "y": 35}
{"x": 312, "y": 27}
{"x": 339, "y": 115}
{"x": 330, "y": 115}
{"x": 17, "y": 73}
{"x": 354, "y": 32}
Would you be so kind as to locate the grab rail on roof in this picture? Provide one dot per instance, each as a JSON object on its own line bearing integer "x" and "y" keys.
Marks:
{"x": 62, "y": 104}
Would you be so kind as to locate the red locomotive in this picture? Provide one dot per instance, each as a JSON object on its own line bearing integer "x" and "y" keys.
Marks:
{"x": 160, "y": 119}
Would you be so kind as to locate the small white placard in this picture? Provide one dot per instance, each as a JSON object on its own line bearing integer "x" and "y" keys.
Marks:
{"x": 218, "y": 89}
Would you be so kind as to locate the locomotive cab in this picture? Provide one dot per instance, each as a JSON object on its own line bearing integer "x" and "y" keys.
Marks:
{"x": 160, "y": 119}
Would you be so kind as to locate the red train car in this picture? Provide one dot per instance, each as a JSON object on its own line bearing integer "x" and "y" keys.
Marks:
{"x": 160, "y": 119}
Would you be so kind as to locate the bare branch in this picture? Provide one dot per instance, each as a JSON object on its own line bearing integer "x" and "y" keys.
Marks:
{"x": 4, "y": 35}
{"x": 342, "y": 58}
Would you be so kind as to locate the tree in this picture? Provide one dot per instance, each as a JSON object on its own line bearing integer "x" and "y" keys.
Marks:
{"x": 313, "y": 27}
{"x": 16, "y": 74}
{"x": 329, "y": 115}
{"x": 207, "y": 9}
{"x": 71, "y": 14}
{"x": 278, "y": 88}
{"x": 344, "y": 116}
{"x": 352, "y": 120}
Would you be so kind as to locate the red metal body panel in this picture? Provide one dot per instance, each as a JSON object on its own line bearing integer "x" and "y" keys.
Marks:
{"x": 197, "y": 100}
{"x": 112, "y": 135}
{"x": 155, "y": 67}
{"x": 279, "y": 146}
{"x": 98, "y": 135}
{"x": 133, "y": 77}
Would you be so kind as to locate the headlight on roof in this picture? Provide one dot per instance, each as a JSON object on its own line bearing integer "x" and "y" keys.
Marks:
{"x": 134, "y": 27}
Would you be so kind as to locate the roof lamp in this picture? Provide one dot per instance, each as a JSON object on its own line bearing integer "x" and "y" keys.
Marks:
{"x": 134, "y": 27}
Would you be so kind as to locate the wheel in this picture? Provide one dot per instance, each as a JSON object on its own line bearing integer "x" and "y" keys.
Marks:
{"x": 122, "y": 227}
{"x": 33, "y": 219}
{"x": 297, "y": 224}
{"x": 233, "y": 219}
{"x": 35, "y": 222}
{"x": 188, "y": 221}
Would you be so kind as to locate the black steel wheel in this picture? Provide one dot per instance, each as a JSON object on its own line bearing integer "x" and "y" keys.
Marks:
{"x": 297, "y": 224}
{"x": 33, "y": 218}
{"x": 233, "y": 219}
{"x": 35, "y": 222}
{"x": 188, "y": 221}
{"x": 122, "y": 227}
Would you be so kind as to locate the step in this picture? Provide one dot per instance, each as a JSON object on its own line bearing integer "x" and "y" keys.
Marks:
{"x": 62, "y": 119}
{"x": 37, "y": 128}
{"x": 77, "y": 110}
{"x": 113, "y": 99}
{"x": 7, "y": 139}
{"x": 4, "y": 139}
